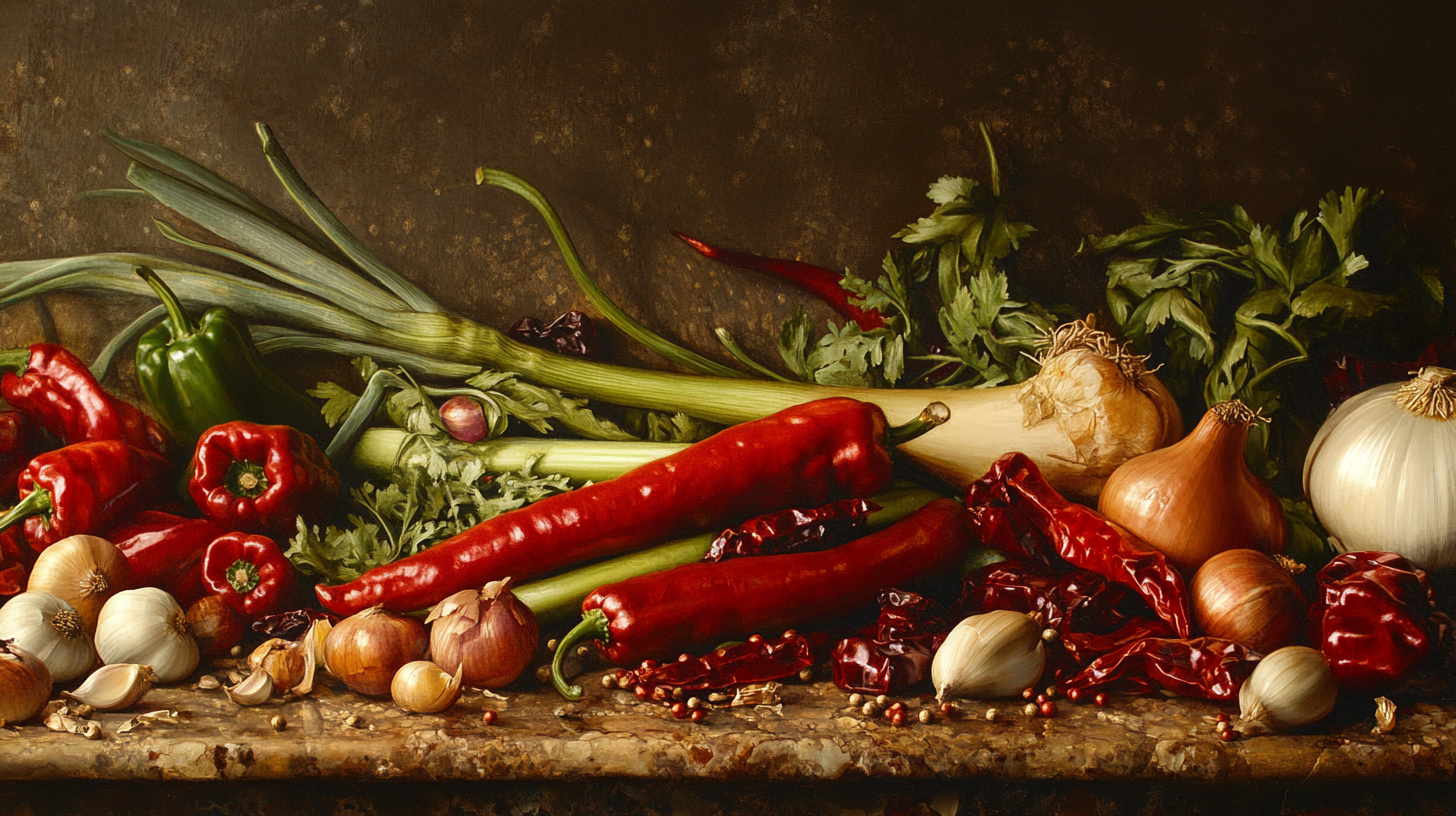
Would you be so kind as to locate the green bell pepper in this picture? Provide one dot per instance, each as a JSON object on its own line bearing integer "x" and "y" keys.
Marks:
{"x": 200, "y": 375}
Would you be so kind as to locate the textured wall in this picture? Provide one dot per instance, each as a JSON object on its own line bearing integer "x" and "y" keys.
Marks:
{"x": 796, "y": 128}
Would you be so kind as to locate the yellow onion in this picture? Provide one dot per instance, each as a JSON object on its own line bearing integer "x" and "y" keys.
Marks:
{"x": 25, "y": 683}
{"x": 84, "y": 571}
{"x": 1250, "y": 598}
{"x": 365, "y": 649}
{"x": 488, "y": 633}
{"x": 1196, "y": 498}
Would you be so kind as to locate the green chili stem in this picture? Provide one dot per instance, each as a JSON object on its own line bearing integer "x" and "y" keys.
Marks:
{"x": 38, "y": 503}
{"x": 593, "y": 626}
{"x": 243, "y": 577}
{"x": 17, "y": 360}
{"x": 181, "y": 324}
{"x": 934, "y": 415}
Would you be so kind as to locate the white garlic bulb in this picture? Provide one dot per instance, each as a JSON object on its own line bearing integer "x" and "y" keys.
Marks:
{"x": 50, "y": 629}
{"x": 1381, "y": 471}
{"x": 997, "y": 654}
{"x": 1290, "y": 687}
{"x": 147, "y": 626}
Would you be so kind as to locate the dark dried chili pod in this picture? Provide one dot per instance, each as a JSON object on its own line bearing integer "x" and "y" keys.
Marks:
{"x": 570, "y": 333}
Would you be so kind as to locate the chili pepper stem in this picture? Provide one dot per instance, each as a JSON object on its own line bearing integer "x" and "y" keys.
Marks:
{"x": 177, "y": 319}
{"x": 593, "y": 626}
{"x": 37, "y": 503}
{"x": 17, "y": 360}
{"x": 934, "y": 415}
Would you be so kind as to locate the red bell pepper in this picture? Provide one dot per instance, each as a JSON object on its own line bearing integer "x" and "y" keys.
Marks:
{"x": 249, "y": 573}
{"x": 261, "y": 478}
{"x": 16, "y": 559}
{"x": 166, "y": 551}
{"x": 807, "y": 455}
{"x": 55, "y": 389}
{"x": 84, "y": 489}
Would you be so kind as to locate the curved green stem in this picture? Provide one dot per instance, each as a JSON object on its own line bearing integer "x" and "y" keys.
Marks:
{"x": 742, "y": 356}
{"x": 594, "y": 293}
{"x": 37, "y": 503}
{"x": 16, "y": 360}
{"x": 593, "y": 626}
{"x": 934, "y": 415}
{"x": 102, "y": 364}
{"x": 181, "y": 324}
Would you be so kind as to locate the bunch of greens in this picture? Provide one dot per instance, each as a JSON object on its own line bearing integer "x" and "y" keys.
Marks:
{"x": 1236, "y": 310}
{"x": 947, "y": 299}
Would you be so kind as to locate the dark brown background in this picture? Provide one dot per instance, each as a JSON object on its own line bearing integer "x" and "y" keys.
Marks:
{"x": 800, "y": 129}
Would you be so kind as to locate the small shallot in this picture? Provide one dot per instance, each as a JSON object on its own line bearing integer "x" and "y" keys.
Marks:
{"x": 1289, "y": 688}
{"x": 1250, "y": 598}
{"x": 424, "y": 688}
{"x": 366, "y": 649}
{"x": 488, "y": 633}
{"x": 25, "y": 683}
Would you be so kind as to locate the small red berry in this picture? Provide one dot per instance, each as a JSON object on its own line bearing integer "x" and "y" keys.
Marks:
{"x": 897, "y": 717}
{"x": 1041, "y": 698}
{"x": 683, "y": 658}
{"x": 755, "y": 638}
{"x": 698, "y": 715}
{"x": 1229, "y": 735}
{"x": 1048, "y": 708}
{"x": 1100, "y": 701}
{"x": 1028, "y": 694}
{"x": 489, "y": 717}
{"x": 1222, "y": 717}
{"x": 641, "y": 692}
{"x": 1074, "y": 695}
{"x": 948, "y": 709}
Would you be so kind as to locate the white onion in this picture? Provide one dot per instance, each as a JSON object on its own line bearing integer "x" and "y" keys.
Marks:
{"x": 1381, "y": 472}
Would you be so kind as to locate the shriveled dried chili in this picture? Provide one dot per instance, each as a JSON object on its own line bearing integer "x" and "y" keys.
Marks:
{"x": 1375, "y": 619}
{"x": 759, "y": 660}
{"x": 1015, "y": 510}
{"x": 570, "y": 333}
{"x": 793, "y": 530}
{"x": 895, "y": 652}
{"x": 1206, "y": 667}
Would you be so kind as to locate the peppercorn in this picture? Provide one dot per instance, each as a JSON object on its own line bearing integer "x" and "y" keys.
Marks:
{"x": 489, "y": 717}
{"x": 1100, "y": 701}
{"x": 1048, "y": 709}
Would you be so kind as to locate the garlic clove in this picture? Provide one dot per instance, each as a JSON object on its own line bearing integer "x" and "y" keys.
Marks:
{"x": 114, "y": 686}
{"x": 285, "y": 661}
{"x": 997, "y": 654}
{"x": 255, "y": 689}
{"x": 424, "y": 688}
{"x": 1289, "y": 688}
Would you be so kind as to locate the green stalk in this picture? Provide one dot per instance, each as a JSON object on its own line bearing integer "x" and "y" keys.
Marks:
{"x": 378, "y": 449}
{"x": 271, "y": 339}
{"x": 116, "y": 345}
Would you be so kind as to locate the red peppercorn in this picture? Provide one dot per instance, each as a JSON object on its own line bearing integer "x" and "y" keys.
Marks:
{"x": 1074, "y": 695}
{"x": 948, "y": 709}
{"x": 1222, "y": 717}
{"x": 1028, "y": 694}
{"x": 1048, "y": 708}
{"x": 680, "y": 710}
{"x": 755, "y": 638}
{"x": 1040, "y": 699}
{"x": 698, "y": 715}
{"x": 1100, "y": 701}
{"x": 640, "y": 692}
{"x": 683, "y": 658}
{"x": 489, "y": 717}
{"x": 1229, "y": 735}
{"x": 648, "y": 665}
{"x": 897, "y": 717}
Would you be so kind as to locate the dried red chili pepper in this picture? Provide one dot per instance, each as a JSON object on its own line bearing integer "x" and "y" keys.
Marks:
{"x": 55, "y": 390}
{"x": 261, "y": 478}
{"x": 1375, "y": 619}
{"x": 1206, "y": 667}
{"x": 661, "y": 613}
{"x": 1015, "y": 510}
{"x": 570, "y": 333}
{"x": 249, "y": 573}
{"x": 809, "y": 454}
{"x": 895, "y": 651}
{"x": 1346, "y": 375}
{"x": 85, "y": 488}
{"x": 793, "y": 530}
{"x": 165, "y": 551}
{"x": 16, "y": 559}
{"x": 753, "y": 662}
{"x": 290, "y": 625}
{"x": 818, "y": 281}
{"x": 20, "y": 441}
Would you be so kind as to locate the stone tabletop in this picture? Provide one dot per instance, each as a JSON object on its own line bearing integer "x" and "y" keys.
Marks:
{"x": 812, "y": 734}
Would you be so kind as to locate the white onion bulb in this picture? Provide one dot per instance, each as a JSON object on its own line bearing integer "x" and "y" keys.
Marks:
{"x": 1381, "y": 471}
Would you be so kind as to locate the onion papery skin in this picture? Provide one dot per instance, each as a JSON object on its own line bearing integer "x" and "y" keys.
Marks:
{"x": 1245, "y": 596}
{"x": 366, "y": 649}
{"x": 1382, "y": 478}
{"x": 1197, "y": 497}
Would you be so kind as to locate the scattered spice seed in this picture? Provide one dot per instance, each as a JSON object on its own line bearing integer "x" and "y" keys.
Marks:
{"x": 1074, "y": 695}
{"x": 1040, "y": 699}
{"x": 352, "y": 721}
{"x": 1229, "y": 735}
{"x": 698, "y": 715}
{"x": 1048, "y": 709}
{"x": 278, "y": 722}
{"x": 640, "y": 692}
{"x": 490, "y": 717}
{"x": 208, "y": 682}
{"x": 755, "y": 638}
{"x": 1050, "y": 693}
{"x": 949, "y": 709}
{"x": 992, "y": 714}
{"x": 679, "y": 710}
{"x": 882, "y": 701}
{"x": 543, "y": 674}
{"x": 897, "y": 718}
{"x": 1028, "y": 694}
{"x": 235, "y": 651}
{"x": 1050, "y": 635}
{"x": 551, "y": 645}
{"x": 925, "y": 716}
{"x": 869, "y": 709}
{"x": 1030, "y": 710}
{"x": 1100, "y": 701}
{"x": 807, "y": 675}
{"x": 1222, "y": 717}
{"x": 583, "y": 651}
{"x": 648, "y": 665}
{"x": 856, "y": 699}
{"x": 608, "y": 681}
{"x": 1220, "y": 727}
{"x": 694, "y": 703}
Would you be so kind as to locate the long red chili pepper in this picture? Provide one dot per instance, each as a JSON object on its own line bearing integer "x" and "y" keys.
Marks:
{"x": 661, "y": 613}
{"x": 820, "y": 282}
{"x": 85, "y": 488}
{"x": 1015, "y": 510}
{"x": 53, "y": 387}
{"x": 1206, "y": 667}
{"x": 809, "y": 454}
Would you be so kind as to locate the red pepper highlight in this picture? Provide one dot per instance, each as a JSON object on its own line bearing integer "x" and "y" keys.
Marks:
{"x": 806, "y": 455}
{"x": 249, "y": 573}
{"x": 1375, "y": 620}
{"x": 1015, "y": 510}
{"x": 85, "y": 488}
{"x": 55, "y": 390}
{"x": 165, "y": 551}
{"x": 663, "y": 613}
{"x": 261, "y": 478}
{"x": 895, "y": 652}
{"x": 818, "y": 281}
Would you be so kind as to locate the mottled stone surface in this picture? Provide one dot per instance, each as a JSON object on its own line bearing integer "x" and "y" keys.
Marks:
{"x": 812, "y": 736}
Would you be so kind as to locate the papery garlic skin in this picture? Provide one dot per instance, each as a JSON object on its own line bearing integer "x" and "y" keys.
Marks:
{"x": 1383, "y": 477}
{"x": 1289, "y": 688}
{"x": 50, "y": 629}
{"x": 147, "y": 626}
{"x": 997, "y": 654}
{"x": 425, "y": 688}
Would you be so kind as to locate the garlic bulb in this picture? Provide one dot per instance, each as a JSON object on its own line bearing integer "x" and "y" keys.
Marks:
{"x": 84, "y": 571}
{"x": 1379, "y": 473}
{"x": 1290, "y": 687}
{"x": 998, "y": 654}
{"x": 50, "y": 629}
{"x": 147, "y": 626}
{"x": 114, "y": 687}
{"x": 284, "y": 660}
{"x": 424, "y": 688}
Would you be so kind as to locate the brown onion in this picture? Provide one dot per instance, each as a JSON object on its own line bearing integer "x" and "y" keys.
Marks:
{"x": 1249, "y": 598}
{"x": 215, "y": 625}
{"x": 488, "y": 631}
{"x": 366, "y": 649}
{"x": 1197, "y": 498}
{"x": 25, "y": 683}
{"x": 84, "y": 571}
